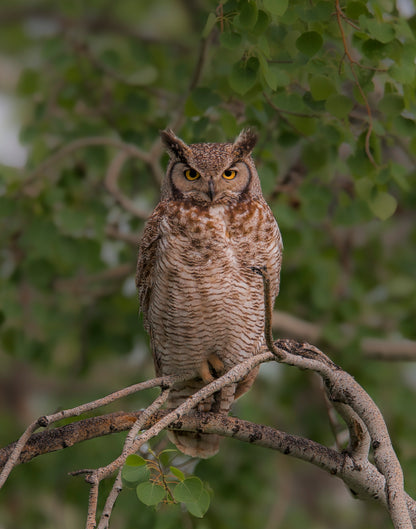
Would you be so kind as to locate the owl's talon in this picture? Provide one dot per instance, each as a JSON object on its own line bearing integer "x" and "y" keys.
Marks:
{"x": 212, "y": 368}
{"x": 205, "y": 373}
{"x": 217, "y": 364}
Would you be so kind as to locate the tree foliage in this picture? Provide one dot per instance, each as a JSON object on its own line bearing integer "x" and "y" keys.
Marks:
{"x": 330, "y": 86}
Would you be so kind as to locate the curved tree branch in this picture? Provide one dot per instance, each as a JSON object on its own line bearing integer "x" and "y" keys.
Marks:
{"x": 382, "y": 481}
{"x": 80, "y": 143}
{"x": 111, "y": 183}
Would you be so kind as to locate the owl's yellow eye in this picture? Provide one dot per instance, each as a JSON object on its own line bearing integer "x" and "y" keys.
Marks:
{"x": 191, "y": 174}
{"x": 229, "y": 174}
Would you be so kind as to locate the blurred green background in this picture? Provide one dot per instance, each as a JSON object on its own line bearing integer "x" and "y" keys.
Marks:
{"x": 336, "y": 157}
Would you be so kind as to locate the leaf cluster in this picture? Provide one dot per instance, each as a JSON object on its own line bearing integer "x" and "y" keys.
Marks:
{"x": 157, "y": 482}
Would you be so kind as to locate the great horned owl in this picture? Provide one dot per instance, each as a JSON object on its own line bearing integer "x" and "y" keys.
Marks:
{"x": 202, "y": 304}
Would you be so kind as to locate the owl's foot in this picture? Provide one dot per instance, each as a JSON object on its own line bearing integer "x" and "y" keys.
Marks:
{"x": 212, "y": 368}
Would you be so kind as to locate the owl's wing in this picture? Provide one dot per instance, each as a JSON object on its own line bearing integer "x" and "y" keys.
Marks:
{"x": 145, "y": 274}
{"x": 146, "y": 261}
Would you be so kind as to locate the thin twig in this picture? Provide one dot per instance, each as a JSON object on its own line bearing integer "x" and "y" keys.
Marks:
{"x": 340, "y": 16}
{"x": 109, "y": 504}
{"x": 80, "y": 143}
{"x": 111, "y": 183}
{"x": 156, "y": 149}
{"x": 390, "y": 350}
{"x": 92, "y": 505}
{"x": 129, "y": 238}
{"x": 128, "y": 449}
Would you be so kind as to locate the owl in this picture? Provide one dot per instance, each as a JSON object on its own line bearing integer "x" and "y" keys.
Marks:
{"x": 202, "y": 304}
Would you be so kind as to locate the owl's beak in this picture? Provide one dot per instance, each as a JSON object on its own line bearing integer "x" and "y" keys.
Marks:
{"x": 211, "y": 189}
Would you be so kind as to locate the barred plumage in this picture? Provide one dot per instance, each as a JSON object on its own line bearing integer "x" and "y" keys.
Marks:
{"x": 202, "y": 303}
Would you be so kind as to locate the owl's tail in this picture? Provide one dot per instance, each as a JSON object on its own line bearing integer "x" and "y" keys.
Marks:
{"x": 202, "y": 445}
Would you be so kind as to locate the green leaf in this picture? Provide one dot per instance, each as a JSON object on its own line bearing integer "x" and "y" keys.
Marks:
{"x": 321, "y": 87}
{"x": 135, "y": 460}
{"x": 391, "y": 104}
{"x": 205, "y": 98}
{"x": 244, "y": 75}
{"x": 381, "y": 31}
{"x": 209, "y": 25}
{"x": 150, "y": 493}
{"x": 189, "y": 490}
{"x": 263, "y": 21}
{"x": 191, "y": 109}
{"x": 404, "y": 126}
{"x": 135, "y": 469}
{"x": 402, "y": 73}
{"x": 228, "y": 124}
{"x": 383, "y": 205}
{"x": 135, "y": 474}
{"x": 289, "y": 102}
{"x": 355, "y": 9}
{"x": 275, "y": 76}
{"x": 309, "y": 43}
{"x": 306, "y": 126}
{"x": 276, "y": 7}
{"x": 144, "y": 76}
{"x": 230, "y": 39}
{"x": 374, "y": 50}
{"x": 364, "y": 187}
{"x": 178, "y": 473}
{"x": 398, "y": 172}
{"x": 339, "y": 105}
{"x": 110, "y": 57}
{"x": 263, "y": 46}
{"x": 166, "y": 456}
{"x": 200, "y": 507}
{"x": 247, "y": 17}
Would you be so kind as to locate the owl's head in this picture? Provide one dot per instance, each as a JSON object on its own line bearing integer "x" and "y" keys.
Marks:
{"x": 210, "y": 173}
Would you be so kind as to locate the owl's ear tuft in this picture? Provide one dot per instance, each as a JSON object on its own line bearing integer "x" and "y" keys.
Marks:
{"x": 175, "y": 146}
{"x": 244, "y": 143}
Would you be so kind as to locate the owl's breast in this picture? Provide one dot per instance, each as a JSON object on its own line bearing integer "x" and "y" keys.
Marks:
{"x": 205, "y": 298}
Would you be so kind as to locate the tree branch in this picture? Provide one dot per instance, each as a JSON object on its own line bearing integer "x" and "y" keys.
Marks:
{"x": 342, "y": 388}
{"x": 391, "y": 350}
{"x": 111, "y": 183}
{"x": 47, "y": 420}
{"x": 339, "y": 464}
{"x": 340, "y": 17}
{"x": 382, "y": 481}
{"x": 80, "y": 143}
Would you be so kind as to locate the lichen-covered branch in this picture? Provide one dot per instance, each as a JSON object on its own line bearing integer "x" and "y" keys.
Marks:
{"x": 364, "y": 420}
{"x": 47, "y": 420}
{"x": 382, "y": 481}
{"x": 363, "y": 479}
